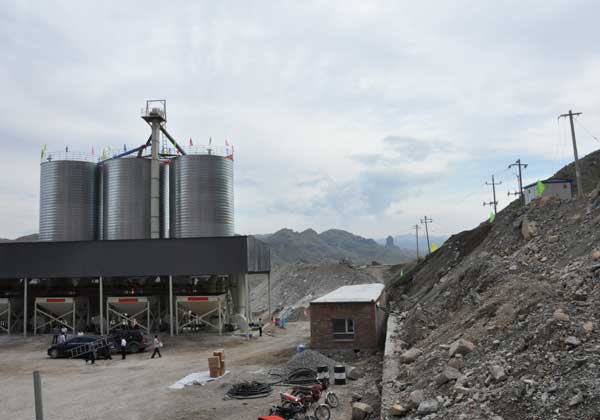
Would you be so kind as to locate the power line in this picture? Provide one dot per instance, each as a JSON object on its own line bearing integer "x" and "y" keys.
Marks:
{"x": 585, "y": 129}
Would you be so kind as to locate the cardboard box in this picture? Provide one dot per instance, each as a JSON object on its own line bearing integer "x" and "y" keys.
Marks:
{"x": 214, "y": 372}
{"x": 214, "y": 362}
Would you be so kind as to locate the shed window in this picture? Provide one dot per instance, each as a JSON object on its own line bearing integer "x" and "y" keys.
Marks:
{"x": 343, "y": 329}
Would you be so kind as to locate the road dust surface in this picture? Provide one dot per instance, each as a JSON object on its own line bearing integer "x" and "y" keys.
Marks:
{"x": 137, "y": 388}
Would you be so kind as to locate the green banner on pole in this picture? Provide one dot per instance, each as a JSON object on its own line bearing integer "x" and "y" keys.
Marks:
{"x": 540, "y": 188}
{"x": 492, "y": 217}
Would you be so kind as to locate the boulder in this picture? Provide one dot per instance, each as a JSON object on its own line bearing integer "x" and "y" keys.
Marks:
{"x": 415, "y": 398}
{"x": 595, "y": 254}
{"x": 572, "y": 341}
{"x": 428, "y": 407}
{"x": 497, "y": 373}
{"x": 410, "y": 356}
{"x": 361, "y": 411}
{"x": 355, "y": 373}
{"x": 461, "y": 347}
{"x": 447, "y": 375}
{"x": 577, "y": 399}
{"x": 457, "y": 362}
{"x": 588, "y": 327}
{"x": 528, "y": 229}
{"x": 559, "y": 315}
{"x": 398, "y": 410}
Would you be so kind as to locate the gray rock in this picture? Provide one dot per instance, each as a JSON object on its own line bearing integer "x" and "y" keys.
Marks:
{"x": 415, "y": 398}
{"x": 497, "y": 373}
{"x": 355, "y": 373}
{"x": 361, "y": 411}
{"x": 410, "y": 356}
{"x": 577, "y": 399}
{"x": 559, "y": 315}
{"x": 428, "y": 407}
{"x": 447, "y": 375}
{"x": 572, "y": 341}
{"x": 462, "y": 347}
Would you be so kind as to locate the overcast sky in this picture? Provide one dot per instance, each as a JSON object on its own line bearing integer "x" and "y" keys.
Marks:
{"x": 360, "y": 115}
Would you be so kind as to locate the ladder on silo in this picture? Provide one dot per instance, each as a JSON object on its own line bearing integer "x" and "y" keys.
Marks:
{"x": 89, "y": 347}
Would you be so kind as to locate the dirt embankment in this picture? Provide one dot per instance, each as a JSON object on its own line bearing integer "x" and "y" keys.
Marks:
{"x": 523, "y": 293}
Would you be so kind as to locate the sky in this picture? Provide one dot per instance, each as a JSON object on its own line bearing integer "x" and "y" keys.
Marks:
{"x": 363, "y": 116}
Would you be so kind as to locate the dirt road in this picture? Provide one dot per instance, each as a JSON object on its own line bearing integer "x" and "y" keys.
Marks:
{"x": 137, "y": 388}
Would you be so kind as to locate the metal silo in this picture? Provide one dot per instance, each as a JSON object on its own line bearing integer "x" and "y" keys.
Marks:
{"x": 68, "y": 200}
{"x": 201, "y": 196}
{"x": 126, "y": 199}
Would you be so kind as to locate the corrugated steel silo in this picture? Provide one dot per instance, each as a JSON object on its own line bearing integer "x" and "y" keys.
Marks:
{"x": 68, "y": 200}
{"x": 201, "y": 196}
{"x": 126, "y": 199}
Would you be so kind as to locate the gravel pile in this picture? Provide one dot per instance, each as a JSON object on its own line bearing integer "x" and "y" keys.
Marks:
{"x": 309, "y": 359}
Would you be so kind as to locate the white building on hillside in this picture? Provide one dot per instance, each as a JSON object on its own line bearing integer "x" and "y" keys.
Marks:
{"x": 553, "y": 187}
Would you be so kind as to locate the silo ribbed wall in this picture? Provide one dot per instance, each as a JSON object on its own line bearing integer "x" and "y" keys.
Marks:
{"x": 126, "y": 199}
{"x": 201, "y": 196}
{"x": 68, "y": 200}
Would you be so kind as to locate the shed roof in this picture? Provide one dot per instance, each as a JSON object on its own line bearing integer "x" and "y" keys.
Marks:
{"x": 355, "y": 293}
{"x": 550, "y": 181}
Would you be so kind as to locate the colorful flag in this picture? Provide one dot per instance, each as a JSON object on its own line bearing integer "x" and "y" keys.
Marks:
{"x": 209, "y": 141}
{"x": 492, "y": 217}
{"x": 191, "y": 142}
{"x": 92, "y": 151}
{"x": 433, "y": 247}
{"x": 540, "y": 188}
{"x": 103, "y": 157}
{"x": 230, "y": 154}
{"x": 43, "y": 152}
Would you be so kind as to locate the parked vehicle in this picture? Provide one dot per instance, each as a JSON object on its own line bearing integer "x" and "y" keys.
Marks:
{"x": 58, "y": 350}
{"x": 136, "y": 341}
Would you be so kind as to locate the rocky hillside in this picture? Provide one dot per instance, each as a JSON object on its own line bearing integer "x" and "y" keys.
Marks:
{"x": 502, "y": 321}
{"x": 293, "y": 286}
{"x": 27, "y": 238}
{"x": 288, "y": 246}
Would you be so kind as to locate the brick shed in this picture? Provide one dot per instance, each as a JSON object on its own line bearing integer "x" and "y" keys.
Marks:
{"x": 349, "y": 318}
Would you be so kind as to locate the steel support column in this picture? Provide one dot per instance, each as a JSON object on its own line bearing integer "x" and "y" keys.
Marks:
{"x": 247, "y": 286}
{"x": 25, "y": 307}
{"x": 171, "y": 306}
{"x": 101, "y": 307}
{"x": 269, "y": 295}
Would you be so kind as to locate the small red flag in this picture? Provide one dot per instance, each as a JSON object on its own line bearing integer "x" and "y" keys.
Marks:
{"x": 191, "y": 142}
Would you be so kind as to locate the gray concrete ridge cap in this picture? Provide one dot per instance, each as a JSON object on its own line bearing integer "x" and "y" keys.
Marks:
{"x": 358, "y": 293}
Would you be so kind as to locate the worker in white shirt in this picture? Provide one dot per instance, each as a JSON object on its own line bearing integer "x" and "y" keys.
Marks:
{"x": 123, "y": 348}
{"x": 62, "y": 338}
{"x": 157, "y": 345}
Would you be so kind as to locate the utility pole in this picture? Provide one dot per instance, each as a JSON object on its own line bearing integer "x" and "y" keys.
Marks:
{"x": 417, "y": 236}
{"x": 577, "y": 171}
{"x": 424, "y": 221}
{"x": 520, "y": 193}
{"x": 495, "y": 202}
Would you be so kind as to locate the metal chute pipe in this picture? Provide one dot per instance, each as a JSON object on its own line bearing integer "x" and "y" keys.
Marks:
{"x": 172, "y": 140}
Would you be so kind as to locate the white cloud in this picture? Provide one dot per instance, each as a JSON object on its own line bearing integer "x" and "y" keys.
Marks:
{"x": 307, "y": 91}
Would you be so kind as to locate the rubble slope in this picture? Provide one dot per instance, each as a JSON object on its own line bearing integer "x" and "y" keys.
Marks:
{"x": 525, "y": 292}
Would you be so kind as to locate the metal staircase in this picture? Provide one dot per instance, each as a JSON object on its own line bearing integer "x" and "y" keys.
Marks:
{"x": 100, "y": 343}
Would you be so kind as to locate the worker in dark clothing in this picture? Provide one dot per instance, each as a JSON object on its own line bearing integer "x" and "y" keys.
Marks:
{"x": 260, "y": 327}
{"x": 90, "y": 356}
{"x": 123, "y": 348}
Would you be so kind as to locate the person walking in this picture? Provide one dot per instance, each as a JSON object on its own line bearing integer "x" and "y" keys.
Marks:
{"x": 260, "y": 327}
{"x": 123, "y": 348}
{"x": 157, "y": 345}
{"x": 62, "y": 338}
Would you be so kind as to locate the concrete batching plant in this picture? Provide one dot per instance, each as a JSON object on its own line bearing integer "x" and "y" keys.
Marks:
{"x": 145, "y": 236}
